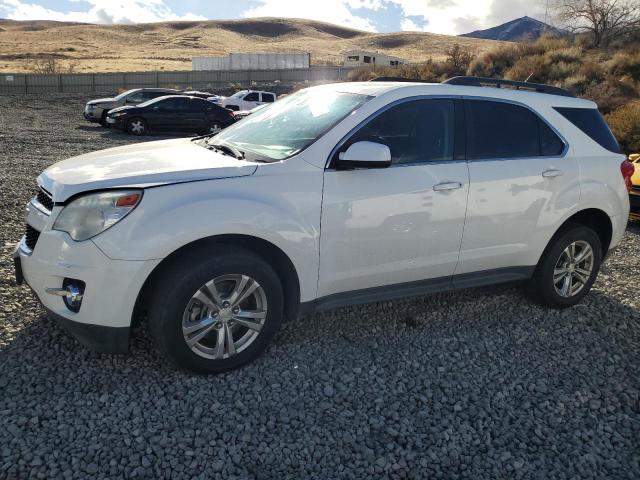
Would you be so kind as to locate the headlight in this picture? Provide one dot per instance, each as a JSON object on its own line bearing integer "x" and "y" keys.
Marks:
{"x": 117, "y": 114}
{"x": 87, "y": 216}
{"x": 91, "y": 107}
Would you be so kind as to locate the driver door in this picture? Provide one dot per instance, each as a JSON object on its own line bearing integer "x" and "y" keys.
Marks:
{"x": 400, "y": 225}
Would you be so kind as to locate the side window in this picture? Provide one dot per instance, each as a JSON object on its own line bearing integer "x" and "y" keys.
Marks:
{"x": 252, "y": 97}
{"x": 268, "y": 97}
{"x": 500, "y": 130}
{"x": 550, "y": 143}
{"x": 590, "y": 121}
{"x": 135, "y": 98}
{"x": 151, "y": 95}
{"x": 176, "y": 104}
{"x": 415, "y": 131}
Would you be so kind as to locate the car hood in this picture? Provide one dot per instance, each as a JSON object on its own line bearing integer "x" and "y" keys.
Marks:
{"x": 141, "y": 165}
{"x": 101, "y": 100}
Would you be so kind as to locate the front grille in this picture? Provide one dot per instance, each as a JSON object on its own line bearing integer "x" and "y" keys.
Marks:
{"x": 44, "y": 199}
{"x": 31, "y": 237}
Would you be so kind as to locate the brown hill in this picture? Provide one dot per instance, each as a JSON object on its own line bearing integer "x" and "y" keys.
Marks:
{"x": 170, "y": 45}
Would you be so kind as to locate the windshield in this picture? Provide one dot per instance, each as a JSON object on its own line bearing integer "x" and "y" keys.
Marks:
{"x": 239, "y": 94}
{"x": 124, "y": 94}
{"x": 291, "y": 124}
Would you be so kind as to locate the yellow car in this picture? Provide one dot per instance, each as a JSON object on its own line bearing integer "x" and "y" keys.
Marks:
{"x": 634, "y": 195}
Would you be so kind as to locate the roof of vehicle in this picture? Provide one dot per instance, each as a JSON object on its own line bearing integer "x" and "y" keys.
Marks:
{"x": 419, "y": 88}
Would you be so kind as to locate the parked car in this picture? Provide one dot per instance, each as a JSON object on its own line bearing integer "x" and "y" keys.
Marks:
{"x": 246, "y": 99}
{"x": 245, "y": 113}
{"x": 173, "y": 113}
{"x": 96, "y": 110}
{"x": 634, "y": 194}
{"x": 337, "y": 195}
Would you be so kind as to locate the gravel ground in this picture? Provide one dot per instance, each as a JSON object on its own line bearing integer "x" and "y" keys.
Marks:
{"x": 475, "y": 384}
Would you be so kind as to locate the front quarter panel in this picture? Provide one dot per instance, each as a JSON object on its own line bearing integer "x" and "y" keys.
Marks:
{"x": 280, "y": 203}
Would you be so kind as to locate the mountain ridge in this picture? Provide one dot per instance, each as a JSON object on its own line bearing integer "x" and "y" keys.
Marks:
{"x": 523, "y": 28}
{"x": 171, "y": 45}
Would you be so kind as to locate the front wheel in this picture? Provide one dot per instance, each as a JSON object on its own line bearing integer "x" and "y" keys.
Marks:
{"x": 568, "y": 268}
{"x": 137, "y": 126}
{"x": 212, "y": 313}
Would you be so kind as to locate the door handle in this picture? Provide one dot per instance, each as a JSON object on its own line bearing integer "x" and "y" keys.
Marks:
{"x": 552, "y": 173}
{"x": 440, "y": 187}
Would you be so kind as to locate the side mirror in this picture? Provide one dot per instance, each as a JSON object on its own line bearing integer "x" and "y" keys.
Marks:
{"x": 365, "y": 155}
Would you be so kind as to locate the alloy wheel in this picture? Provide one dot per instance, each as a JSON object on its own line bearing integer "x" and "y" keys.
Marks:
{"x": 224, "y": 316}
{"x": 137, "y": 127}
{"x": 573, "y": 269}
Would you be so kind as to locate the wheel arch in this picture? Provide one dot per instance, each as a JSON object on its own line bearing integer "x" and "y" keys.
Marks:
{"x": 593, "y": 218}
{"x": 272, "y": 254}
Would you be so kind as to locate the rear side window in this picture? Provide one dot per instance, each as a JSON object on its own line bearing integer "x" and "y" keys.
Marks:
{"x": 415, "y": 131}
{"x": 500, "y": 130}
{"x": 267, "y": 97}
{"x": 550, "y": 143}
{"x": 591, "y": 122}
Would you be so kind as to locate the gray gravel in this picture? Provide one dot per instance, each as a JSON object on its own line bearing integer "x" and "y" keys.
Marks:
{"x": 476, "y": 384}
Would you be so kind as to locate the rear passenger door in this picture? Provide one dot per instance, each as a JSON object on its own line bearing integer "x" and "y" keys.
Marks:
{"x": 393, "y": 226}
{"x": 522, "y": 184}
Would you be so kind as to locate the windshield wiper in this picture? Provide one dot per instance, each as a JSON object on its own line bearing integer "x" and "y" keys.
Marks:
{"x": 228, "y": 149}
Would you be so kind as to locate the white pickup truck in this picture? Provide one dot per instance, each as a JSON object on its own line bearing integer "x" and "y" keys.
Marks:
{"x": 245, "y": 100}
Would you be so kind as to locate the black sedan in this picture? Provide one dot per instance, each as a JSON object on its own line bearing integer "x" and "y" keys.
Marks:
{"x": 173, "y": 113}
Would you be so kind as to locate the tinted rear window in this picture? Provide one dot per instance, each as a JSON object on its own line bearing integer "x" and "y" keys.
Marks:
{"x": 591, "y": 122}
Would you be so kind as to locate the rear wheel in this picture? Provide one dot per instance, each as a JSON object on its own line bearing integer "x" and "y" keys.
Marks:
{"x": 137, "y": 126}
{"x": 214, "y": 313}
{"x": 568, "y": 268}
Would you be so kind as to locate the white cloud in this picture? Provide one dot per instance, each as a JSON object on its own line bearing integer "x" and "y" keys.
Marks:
{"x": 332, "y": 11}
{"x": 452, "y": 17}
{"x": 100, "y": 11}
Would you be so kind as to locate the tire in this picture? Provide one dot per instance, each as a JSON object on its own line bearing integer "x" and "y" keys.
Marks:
{"x": 137, "y": 126}
{"x": 556, "y": 264}
{"x": 176, "y": 305}
{"x": 103, "y": 118}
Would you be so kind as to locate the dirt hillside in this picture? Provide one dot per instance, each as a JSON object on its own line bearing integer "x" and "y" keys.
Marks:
{"x": 170, "y": 45}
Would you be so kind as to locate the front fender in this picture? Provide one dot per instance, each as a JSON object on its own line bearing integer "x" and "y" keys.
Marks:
{"x": 282, "y": 210}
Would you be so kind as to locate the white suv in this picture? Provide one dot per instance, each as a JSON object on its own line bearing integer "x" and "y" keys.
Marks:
{"x": 339, "y": 194}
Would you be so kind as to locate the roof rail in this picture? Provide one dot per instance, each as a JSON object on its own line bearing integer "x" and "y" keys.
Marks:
{"x": 498, "y": 83}
{"x": 397, "y": 79}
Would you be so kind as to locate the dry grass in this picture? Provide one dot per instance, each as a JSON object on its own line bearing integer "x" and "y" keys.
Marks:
{"x": 170, "y": 45}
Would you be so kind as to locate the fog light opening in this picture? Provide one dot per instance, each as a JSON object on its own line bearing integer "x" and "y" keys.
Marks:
{"x": 75, "y": 289}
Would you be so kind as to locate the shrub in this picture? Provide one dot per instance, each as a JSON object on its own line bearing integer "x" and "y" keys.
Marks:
{"x": 625, "y": 124}
{"x": 534, "y": 68}
{"x": 457, "y": 61}
{"x": 612, "y": 93}
{"x": 626, "y": 63}
{"x": 566, "y": 55}
{"x": 576, "y": 83}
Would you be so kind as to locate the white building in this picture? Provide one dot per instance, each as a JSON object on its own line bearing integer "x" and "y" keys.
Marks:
{"x": 357, "y": 58}
{"x": 252, "y": 61}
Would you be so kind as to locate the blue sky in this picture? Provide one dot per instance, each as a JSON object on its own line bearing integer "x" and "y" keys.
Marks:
{"x": 438, "y": 16}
